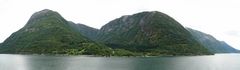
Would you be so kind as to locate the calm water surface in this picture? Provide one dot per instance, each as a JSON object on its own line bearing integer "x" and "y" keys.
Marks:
{"x": 38, "y": 62}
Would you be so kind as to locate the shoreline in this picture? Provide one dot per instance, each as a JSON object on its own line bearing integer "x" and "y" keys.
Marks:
{"x": 119, "y": 56}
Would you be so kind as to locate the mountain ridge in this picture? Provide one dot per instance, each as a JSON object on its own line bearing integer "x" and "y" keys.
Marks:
{"x": 85, "y": 30}
{"x": 212, "y": 43}
{"x": 149, "y": 33}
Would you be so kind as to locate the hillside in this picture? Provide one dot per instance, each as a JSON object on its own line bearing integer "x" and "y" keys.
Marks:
{"x": 47, "y": 32}
{"x": 85, "y": 30}
{"x": 211, "y": 43}
{"x": 153, "y": 33}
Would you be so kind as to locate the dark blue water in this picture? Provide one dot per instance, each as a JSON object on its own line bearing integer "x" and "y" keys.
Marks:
{"x": 38, "y": 62}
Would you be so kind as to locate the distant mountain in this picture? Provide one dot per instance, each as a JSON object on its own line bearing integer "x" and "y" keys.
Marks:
{"x": 153, "y": 33}
{"x": 211, "y": 43}
{"x": 85, "y": 30}
{"x": 47, "y": 32}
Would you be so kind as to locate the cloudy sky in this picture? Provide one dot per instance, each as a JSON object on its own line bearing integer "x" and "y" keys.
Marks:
{"x": 220, "y": 18}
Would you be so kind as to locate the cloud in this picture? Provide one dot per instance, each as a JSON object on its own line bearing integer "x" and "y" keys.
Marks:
{"x": 233, "y": 33}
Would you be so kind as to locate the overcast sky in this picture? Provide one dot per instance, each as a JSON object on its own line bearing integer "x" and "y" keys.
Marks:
{"x": 220, "y": 18}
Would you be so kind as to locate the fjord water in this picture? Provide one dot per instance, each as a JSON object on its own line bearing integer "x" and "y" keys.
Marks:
{"x": 40, "y": 62}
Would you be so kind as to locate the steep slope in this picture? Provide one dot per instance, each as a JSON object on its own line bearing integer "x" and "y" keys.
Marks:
{"x": 153, "y": 33}
{"x": 47, "y": 32}
{"x": 86, "y": 31}
{"x": 211, "y": 43}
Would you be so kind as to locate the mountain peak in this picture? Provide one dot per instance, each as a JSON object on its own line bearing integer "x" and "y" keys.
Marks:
{"x": 145, "y": 20}
{"x": 150, "y": 13}
{"x": 46, "y": 16}
{"x": 42, "y": 13}
{"x": 45, "y": 11}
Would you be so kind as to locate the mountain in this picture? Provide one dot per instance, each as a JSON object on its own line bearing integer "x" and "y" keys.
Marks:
{"x": 145, "y": 33}
{"x": 85, "y": 30}
{"x": 211, "y": 43}
{"x": 47, "y": 32}
{"x": 153, "y": 33}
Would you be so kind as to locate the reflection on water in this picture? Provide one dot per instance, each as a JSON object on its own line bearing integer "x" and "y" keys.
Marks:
{"x": 10, "y": 62}
{"x": 37, "y": 62}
